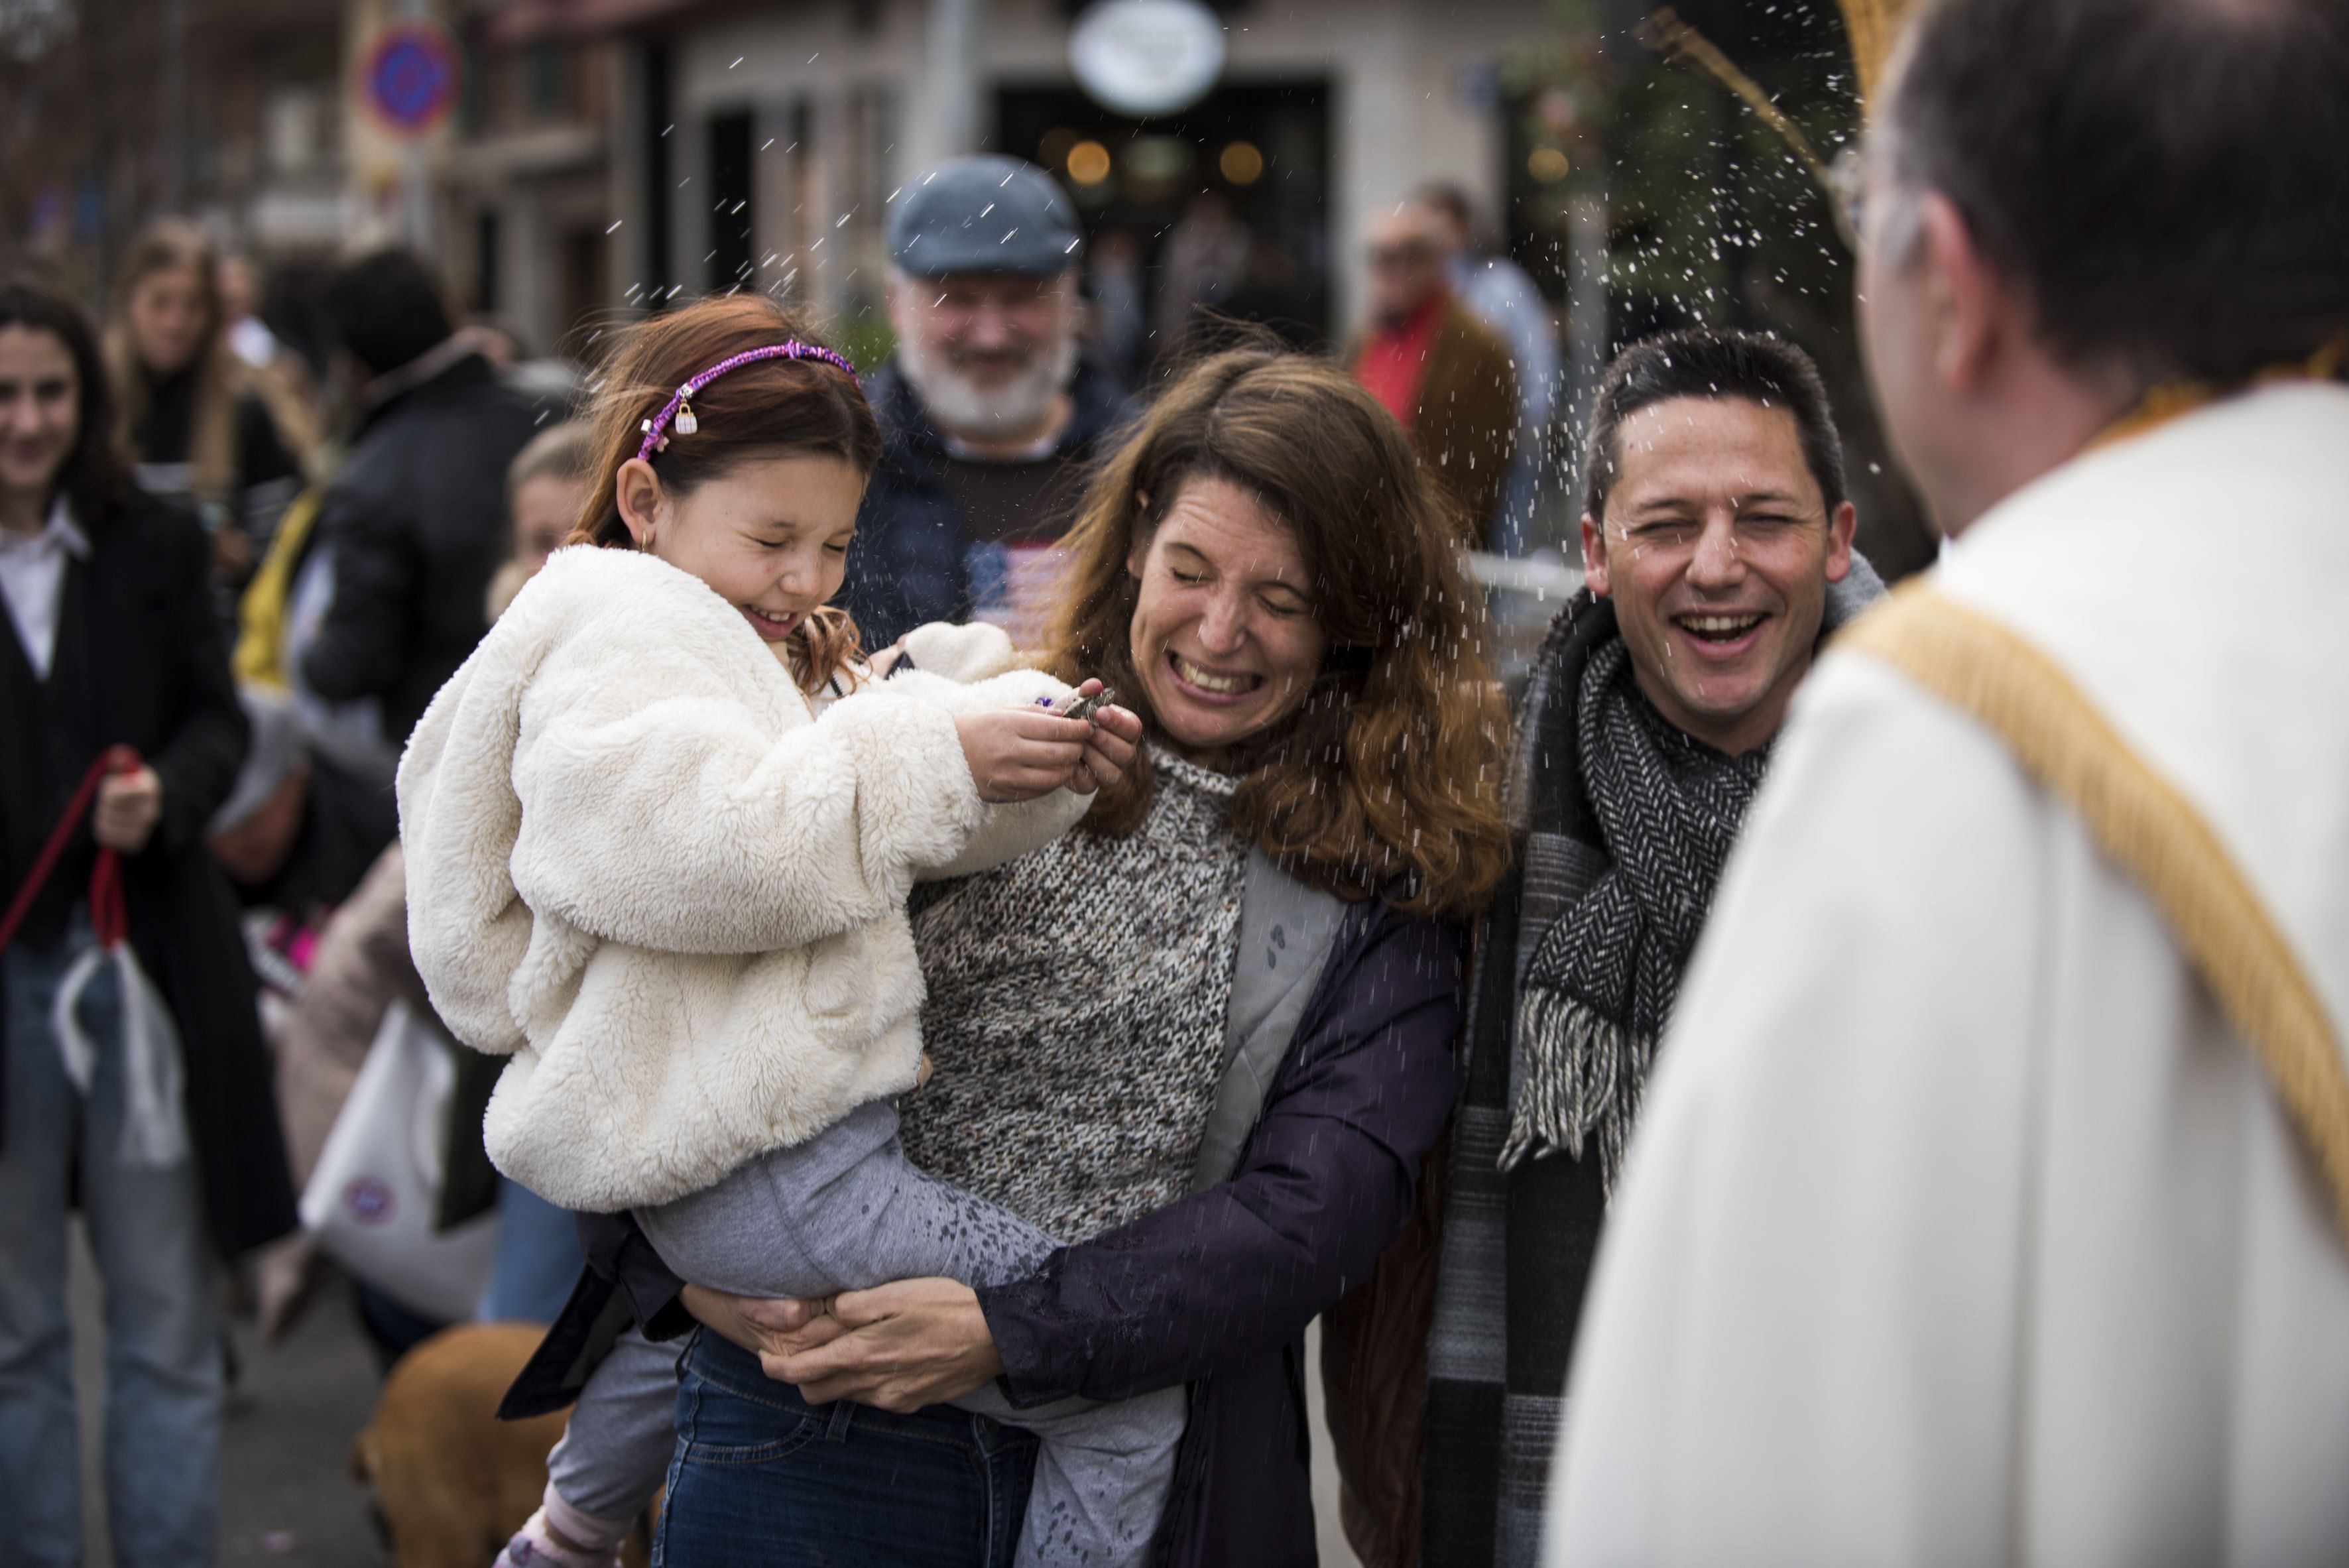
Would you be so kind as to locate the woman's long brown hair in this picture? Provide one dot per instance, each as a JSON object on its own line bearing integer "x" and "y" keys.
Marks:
{"x": 768, "y": 408}
{"x": 1390, "y": 770}
{"x": 164, "y": 245}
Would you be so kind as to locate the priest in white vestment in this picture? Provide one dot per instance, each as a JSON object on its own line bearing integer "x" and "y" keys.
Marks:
{"x": 1991, "y": 1199}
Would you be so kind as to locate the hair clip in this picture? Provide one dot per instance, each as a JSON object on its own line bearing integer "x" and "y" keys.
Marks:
{"x": 678, "y": 413}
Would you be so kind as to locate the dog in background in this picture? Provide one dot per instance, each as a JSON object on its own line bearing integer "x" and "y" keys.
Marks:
{"x": 452, "y": 1483}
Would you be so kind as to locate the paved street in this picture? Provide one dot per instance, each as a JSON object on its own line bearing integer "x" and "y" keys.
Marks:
{"x": 289, "y": 1496}
{"x": 289, "y": 1499}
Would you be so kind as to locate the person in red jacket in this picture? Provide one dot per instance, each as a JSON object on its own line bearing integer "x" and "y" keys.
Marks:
{"x": 1437, "y": 369}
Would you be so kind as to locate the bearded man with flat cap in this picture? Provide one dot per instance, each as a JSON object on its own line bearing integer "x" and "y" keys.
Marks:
{"x": 989, "y": 415}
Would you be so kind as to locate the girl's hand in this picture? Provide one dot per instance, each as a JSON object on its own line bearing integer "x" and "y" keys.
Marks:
{"x": 1020, "y": 753}
{"x": 1108, "y": 751}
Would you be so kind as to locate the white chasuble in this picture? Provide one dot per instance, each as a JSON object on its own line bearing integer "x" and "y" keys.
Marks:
{"x": 1991, "y": 1199}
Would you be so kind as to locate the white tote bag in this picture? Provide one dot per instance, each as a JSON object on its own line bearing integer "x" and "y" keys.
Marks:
{"x": 154, "y": 1078}
{"x": 371, "y": 1201}
{"x": 154, "y": 1122}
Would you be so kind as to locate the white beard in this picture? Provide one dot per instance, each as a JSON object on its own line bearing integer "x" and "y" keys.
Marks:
{"x": 961, "y": 409}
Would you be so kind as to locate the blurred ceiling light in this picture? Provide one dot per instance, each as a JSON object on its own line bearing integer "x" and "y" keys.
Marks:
{"x": 1088, "y": 163}
{"x": 1242, "y": 164}
{"x": 1548, "y": 164}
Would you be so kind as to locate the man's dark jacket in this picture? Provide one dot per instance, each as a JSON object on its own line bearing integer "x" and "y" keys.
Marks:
{"x": 138, "y": 661}
{"x": 906, "y": 566}
{"x": 417, "y": 521}
{"x": 1213, "y": 1291}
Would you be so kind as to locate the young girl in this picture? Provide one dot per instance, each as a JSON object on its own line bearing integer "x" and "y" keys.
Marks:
{"x": 660, "y": 829}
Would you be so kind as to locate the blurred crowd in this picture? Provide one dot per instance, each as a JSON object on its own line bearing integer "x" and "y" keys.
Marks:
{"x": 242, "y": 556}
{"x": 255, "y": 565}
{"x": 370, "y": 478}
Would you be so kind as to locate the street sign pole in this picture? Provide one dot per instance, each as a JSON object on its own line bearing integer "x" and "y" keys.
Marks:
{"x": 417, "y": 198}
{"x": 409, "y": 73}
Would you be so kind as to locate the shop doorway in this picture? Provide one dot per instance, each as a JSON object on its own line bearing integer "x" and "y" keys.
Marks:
{"x": 1216, "y": 214}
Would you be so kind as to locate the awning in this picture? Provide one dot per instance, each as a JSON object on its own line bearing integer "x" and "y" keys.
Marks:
{"x": 527, "y": 21}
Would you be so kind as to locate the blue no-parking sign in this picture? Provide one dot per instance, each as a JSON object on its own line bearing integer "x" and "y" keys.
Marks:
{"x": 408, "y": 77}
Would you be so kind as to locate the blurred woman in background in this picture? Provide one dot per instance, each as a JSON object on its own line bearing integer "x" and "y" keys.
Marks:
{"x": 200, "y": 426}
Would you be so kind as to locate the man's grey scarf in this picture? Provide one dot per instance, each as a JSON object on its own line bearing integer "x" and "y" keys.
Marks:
{"x": 1518, "y": 1243}
{"x": 1598, "y": 988}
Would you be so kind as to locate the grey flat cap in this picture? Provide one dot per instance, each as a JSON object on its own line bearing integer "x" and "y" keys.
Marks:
{"x": 986, "y": 214}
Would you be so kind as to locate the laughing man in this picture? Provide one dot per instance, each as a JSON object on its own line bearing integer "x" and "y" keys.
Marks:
{"x": 1716, "y": 540}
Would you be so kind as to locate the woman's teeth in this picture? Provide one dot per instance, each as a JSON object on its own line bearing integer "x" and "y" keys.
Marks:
{"x": 1221, "y": 686}
{"x": 1718, "y": 628}
{"x": 780, "y": 622}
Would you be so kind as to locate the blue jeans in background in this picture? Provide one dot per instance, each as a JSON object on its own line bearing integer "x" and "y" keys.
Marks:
{"x": 760, "y": 1477}
{"x": 538, "y": 1258}
{"x": 165, "y": 1375}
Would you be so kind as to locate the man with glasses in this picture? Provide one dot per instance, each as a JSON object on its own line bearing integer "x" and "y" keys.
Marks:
{"x": 1991, "y": 1199}
{"x": 1716, "y": 540}
{"x": 1437, "y": 369}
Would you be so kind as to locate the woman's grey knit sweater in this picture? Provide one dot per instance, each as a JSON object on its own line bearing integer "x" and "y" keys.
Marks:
{"x": 1076, "y": 1014}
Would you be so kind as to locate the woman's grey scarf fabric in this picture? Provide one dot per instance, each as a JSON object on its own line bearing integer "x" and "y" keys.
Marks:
{"x": 1598, "y": 988}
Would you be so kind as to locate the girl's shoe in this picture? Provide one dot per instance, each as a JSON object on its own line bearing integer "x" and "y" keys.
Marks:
{"x": 536, "y": 1546}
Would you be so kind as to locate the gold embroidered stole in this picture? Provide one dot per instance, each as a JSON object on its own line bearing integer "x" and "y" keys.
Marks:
{"x": 2150, "y": 831}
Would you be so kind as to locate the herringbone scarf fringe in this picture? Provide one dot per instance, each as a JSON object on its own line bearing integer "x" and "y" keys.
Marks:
{"x": 1583, "y": 1077}
{"x": 1599, "y": 987}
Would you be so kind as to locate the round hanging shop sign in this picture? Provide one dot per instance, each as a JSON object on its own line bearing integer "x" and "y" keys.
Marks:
{"x": 1146, "y": 57}
{"x": 408, "y": 77}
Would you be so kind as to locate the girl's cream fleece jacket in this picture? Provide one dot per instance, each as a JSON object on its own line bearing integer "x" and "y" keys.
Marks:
{"x": 639, "y": 862}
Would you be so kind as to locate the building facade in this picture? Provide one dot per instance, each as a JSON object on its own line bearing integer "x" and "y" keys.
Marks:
{"x": 760, "y": 144}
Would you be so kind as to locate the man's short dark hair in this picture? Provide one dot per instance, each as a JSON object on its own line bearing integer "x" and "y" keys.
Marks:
{"x": 2167, "y": 181}
{"x": 386, "y": 310}
{"x": 1711, "y": 362}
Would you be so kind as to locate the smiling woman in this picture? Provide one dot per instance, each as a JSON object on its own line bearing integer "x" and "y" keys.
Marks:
{"x": 108, "y": 638}
{"x": 1265, "y": 567}
{"x": 1225, "y": 1117}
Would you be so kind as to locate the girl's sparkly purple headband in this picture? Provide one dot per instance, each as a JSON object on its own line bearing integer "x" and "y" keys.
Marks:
{"x": 677, "y": 412}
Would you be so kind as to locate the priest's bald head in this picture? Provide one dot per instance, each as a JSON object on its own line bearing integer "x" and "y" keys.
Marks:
{"x": 2068, "y": 205}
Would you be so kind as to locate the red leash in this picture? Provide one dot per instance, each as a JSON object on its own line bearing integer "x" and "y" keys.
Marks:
{"x": 106, "y": 916}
